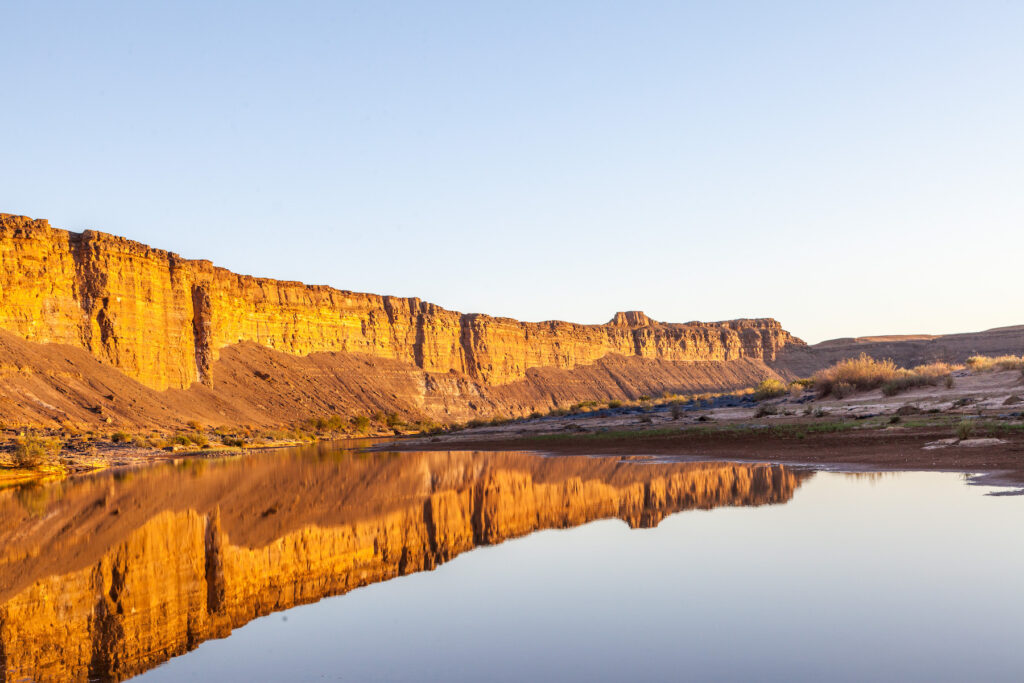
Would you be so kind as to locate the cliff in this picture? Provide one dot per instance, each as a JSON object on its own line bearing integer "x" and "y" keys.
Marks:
{"x": 164, "y": 320}
{"x": 105, "y": 577}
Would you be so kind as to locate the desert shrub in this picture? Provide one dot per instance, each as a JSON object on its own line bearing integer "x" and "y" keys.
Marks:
{"x": 332, "y": 423}
{"x": 677, "y": 411}
{"x": 903, "y": 383}
{"x": 120, "y": 437}
{"x": 233, "y": 441}
{"x": 803, "y": 382}
{"x": 990, "y": 363}
{"x": 535, "y": 414}
{"x": 965, "y": 429}
{"x": 859, "y": 374}
{"x": 361, "y": 423}
{"x": 842, "y": 389}
{"x": 429, "y": 427}
{"x": 392, "y": 420}
{"x": 35, "y": 451}
{"x": 770, "y": 388}
{"x": 614, "y": 404}
{"x": 194, "y": 425}
{"x": 865, "y": 373}
{"x": 644, "y": 398}
{"x": 199, "y": 439}
{"x": 765, "y": 410}
{"x": 932, "y": 374}
{"x": 181, "y": 440}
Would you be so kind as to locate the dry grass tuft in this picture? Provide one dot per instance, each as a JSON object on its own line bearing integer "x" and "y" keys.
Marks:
{"x": 770, "y": 388}
{"x": 991, "y": 363}
{"x": 865, "y": 373}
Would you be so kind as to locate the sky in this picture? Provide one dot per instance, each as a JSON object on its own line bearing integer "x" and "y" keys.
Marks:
{"x": 848, "y": 168}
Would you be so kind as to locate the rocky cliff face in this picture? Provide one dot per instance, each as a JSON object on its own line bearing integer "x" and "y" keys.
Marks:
{"x": 164, "y": 320}
{"x": 104, "y": 578}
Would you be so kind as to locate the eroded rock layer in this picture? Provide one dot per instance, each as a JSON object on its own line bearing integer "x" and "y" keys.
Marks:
{"x": 104, "y": 578}
{"x": 164, "y": 320}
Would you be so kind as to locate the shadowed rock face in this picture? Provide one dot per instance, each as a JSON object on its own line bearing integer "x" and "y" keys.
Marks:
{"x": 108, "y": 576}
{"x": 163, "y": 320}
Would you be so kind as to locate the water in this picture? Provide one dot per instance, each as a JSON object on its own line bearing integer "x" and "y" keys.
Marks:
{"x": 509, "y": 567}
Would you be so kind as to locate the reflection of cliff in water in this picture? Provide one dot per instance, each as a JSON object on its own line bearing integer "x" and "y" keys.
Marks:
{"x": 108, "y": 576}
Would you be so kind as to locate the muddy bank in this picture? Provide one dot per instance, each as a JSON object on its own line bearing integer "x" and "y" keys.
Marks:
{"x": 882, "y": 449}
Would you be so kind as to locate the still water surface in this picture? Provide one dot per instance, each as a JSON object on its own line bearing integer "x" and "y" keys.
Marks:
{"x": 509, "y": 566}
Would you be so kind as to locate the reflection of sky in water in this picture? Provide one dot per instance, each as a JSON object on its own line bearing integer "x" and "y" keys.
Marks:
{"x": 902, "y": 577}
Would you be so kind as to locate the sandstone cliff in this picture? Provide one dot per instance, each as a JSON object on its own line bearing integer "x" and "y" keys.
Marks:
{"x": 105, "y": 577}
{"x": 164, "y": 320}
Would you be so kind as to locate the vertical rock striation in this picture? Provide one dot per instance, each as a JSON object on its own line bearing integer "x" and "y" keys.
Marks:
{"x": 163, "y": 320}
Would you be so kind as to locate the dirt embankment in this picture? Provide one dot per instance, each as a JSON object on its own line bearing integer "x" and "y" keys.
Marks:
{"x": 975, "y": 426}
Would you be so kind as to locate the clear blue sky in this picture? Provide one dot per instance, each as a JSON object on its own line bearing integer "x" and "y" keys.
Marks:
{"x": 848, "y": 168}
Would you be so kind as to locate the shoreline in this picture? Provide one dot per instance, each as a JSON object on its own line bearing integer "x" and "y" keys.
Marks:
{"x": 891, "y": 449}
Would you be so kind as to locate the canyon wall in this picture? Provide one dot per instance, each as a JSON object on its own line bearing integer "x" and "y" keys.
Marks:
{"x": 164, "y": 320}
{"x": 103, "y": 578}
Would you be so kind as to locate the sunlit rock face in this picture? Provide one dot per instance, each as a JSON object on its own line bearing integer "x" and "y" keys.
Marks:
{"x": 109, "y": 576}
{"x": 163, "y": 320}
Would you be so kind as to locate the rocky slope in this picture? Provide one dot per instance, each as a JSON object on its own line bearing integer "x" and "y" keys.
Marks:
{"x": 170, "y": 323}
{"x": 105, "y": 577}
{"x": 905, "y": 350}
